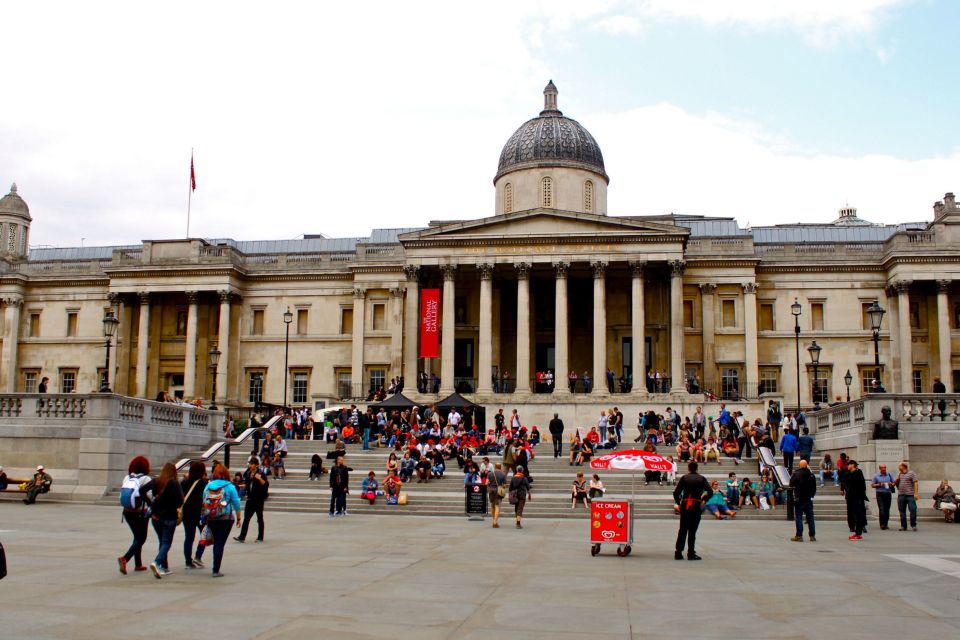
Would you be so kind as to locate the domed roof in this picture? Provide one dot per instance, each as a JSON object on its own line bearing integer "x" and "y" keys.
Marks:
{"x": 551, "y": 139}
{"x": 14, "y": 204}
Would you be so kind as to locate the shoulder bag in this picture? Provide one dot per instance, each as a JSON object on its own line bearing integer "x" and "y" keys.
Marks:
{"x": 185, "y": 498}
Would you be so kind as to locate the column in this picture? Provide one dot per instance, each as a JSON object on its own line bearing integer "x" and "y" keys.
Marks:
{"x": 943, "y": 334}
{"x": 638, "y": 329}
{"x": 223, "y": 345}
{"x": 676, "y": 327}
{"x": 124, "y": 338}
{"x": 906, "y": 336}
{"x": 396, "y": 336}
{"x": 411, "y": 325}
{"x": 523, "y": 327}
{"x": 448, "y": 328}
{"x": 599, "y": 373}
{"x": 709, "y": 355}
{"x": 485, "y": 348}
{"x": 190, "y": 360}
{"x": 114, "y": 373}
{"x": 561, "y": 334}
{"x": 750, "y": 338}
{"x": 11, "y": 340}
{"x": 356, "y": 346}
{"x": 143, "y": 344}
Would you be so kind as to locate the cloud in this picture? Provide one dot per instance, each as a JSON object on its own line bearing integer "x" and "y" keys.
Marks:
{"x": 619, "y": 25}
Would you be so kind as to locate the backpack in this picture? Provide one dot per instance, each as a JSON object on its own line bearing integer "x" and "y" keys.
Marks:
{"x": 215, "y": 505}
{"x": 801, "y": 419}
{"x": 130, "y": 493}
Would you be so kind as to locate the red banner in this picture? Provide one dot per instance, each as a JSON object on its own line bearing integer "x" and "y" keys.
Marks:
{"x": 429, "y": 323}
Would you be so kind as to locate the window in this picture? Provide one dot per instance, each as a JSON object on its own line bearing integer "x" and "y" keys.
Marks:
{"x": 730, "y": 383}
{"x": 33, "y": 327}
{"x": 820, "y": 389}
{"x": 346, "y": 322}
{"x": 914, "y": 314}
{"x": 868, "y": 374}
{"x": 379, "y": 316}
{"x": 588, "y": 196}
{"x": 344, "y": 384}
{"x": 255, "y": 387}
{"x": 816, "y": 316}
{"x": 175, "y": 384}
{"x": 182, "y": 322}
{"x": 765, "y": 318}
{"x": 300, "y": 381}
{"x": 917, "y": 381}
{"x": 688, "y": 314}
{"x": 508, "y": 198}
{"x": 302, "y": 319}
{"x": 546, "y": 191}
{"x": 72, "y": 324}
{"x": 68, "y": 380}
{"x": 101, "y": 378}
{"x": 769, "y": 380}
{"x": 31, "y": 380}
{"x": 729, "y": 310}
{"x": 257, "y": 329}
{"x": 377, "y": 378}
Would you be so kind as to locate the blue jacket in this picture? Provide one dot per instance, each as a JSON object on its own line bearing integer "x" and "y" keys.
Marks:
{"x": 806, "y": 444}
{"x": 788, "y": 443}
{"x": 230, "y": 493}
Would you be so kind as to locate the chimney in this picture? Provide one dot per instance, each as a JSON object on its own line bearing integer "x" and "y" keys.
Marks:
{"x": 937, "y": 209}
{"x": 949, "y": 201}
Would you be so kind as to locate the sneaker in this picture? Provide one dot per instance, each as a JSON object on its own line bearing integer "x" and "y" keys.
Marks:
{"x": 239, "y": 539}
{"x": 813, "y": 538}
{"x": 902, "y": 529}
{"x": 694, "y": 557}
{"x": 165, "y": 571}
{"x": 139, "y": 568}
{"x": 123, "y": 565}
{"x": 259, "y": 540}
{"x": 796, "y": 539}
{"x": 914, "y": 528}
{"x": 156, "y": 570}
{"x": 197, "y": 562}
{"x": 855, "y": 537}
{"x": 216, "y": 574}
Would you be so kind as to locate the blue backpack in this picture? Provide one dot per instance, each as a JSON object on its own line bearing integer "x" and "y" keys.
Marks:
{"x": 130, "y": 493}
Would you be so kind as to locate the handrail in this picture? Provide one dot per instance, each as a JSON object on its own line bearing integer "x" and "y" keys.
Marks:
{"x": 217, "y": 447}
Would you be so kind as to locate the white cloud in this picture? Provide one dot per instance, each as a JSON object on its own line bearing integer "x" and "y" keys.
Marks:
{"x": 619, "y": 25}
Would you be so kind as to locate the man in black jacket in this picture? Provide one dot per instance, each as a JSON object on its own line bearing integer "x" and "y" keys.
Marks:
{"x": 856, "y": 495}
{"x": 691, "y": 492}
{"x": 556, "y": 433}
{"x": 257, "y": 487}
{"x": 804, "y": 486}
{"x": 339, "y": 487}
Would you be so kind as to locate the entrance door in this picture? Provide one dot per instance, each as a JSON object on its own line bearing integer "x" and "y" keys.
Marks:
{"x": 463, "y": 365}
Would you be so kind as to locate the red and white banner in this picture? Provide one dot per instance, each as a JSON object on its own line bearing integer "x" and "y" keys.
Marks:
{"x": 429, "y": 323}
{"x": 632, "y": 460}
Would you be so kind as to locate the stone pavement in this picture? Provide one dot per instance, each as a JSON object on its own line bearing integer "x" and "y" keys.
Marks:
{"x": 368, "y": 576}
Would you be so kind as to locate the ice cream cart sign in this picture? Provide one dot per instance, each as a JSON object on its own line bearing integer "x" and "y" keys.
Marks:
{"x": 610, "y": 521}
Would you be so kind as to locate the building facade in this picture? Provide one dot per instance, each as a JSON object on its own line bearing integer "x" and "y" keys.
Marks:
{"x": 549, "y": 282}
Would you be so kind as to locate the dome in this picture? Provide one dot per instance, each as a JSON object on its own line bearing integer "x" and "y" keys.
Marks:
{"x": 14, "y": 204}
{"x": 551, "y": 139}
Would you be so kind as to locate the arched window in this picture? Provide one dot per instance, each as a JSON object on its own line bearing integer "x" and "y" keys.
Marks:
{"x": 508, "y": 198}
{"x": 546, "y": 190}
{"x": 588, "y": 196}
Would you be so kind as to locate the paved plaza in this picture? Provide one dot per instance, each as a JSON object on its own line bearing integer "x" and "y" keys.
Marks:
{"x": 368, "y": 576}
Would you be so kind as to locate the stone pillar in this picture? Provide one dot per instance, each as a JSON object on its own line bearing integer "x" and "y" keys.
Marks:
{"x": 143, "y": 344}
{"x": 190, "y": 360}
{"x": 396, "y": 336}
{"x": 523, "y": 327}
{"x": 11, "y": 340}
{"x": 599, "y": 373}
{"x": 124, "y": 338}
{"x": 676, "y": 327}
{"x": 905, "y": 339}
{"x": 485, "y": 348}
{"x": 223, "y": 345}
{"x": 411, "y": 325}
{"x": 709, "y": 355}
{"x": 561, "y": 334}
{"x": 448, "y": 328}
{"x": 638, "y": 329}
{"x": 114, "y": 373}
{"x": 356, "y": 347}
{"x": 750, "y": 338}
{"x": 943, "y": 334}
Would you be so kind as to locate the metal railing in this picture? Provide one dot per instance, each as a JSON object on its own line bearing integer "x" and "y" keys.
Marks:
{"x": 225, "y": 445}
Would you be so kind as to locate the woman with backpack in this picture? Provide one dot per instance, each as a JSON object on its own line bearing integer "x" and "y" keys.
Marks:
{"x": 135, "y": 497}
{"x": 166, "y": 503}
{"x": 220, "y": 502}
{"x": 192, "y": 487}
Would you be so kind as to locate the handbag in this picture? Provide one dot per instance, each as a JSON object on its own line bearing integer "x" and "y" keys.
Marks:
{"x": 514, "y": 498}
{"x": 501, "y": 488}
{"x": 185, "y": 498}
{"x": 402, "y": 498}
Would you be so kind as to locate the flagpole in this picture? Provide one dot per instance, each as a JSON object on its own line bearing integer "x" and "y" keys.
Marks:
{"x": 189, "y": 191}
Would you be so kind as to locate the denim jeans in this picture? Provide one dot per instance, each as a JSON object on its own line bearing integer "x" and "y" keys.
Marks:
{"x": 883, "y": 507}
{"x": 904, "y": 503}
{"x": 733, "y": 497}
{"x": 221, "y": 532}
{"x": 164, "y": 529}
{"x": 836, "y": 477}
{"x": 189, "y": 535}
{"x": 366, "y": 439}
{"x": 799, "y": 510}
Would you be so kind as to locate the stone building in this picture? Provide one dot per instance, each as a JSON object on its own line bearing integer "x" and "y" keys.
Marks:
{"x": 550, "y": 281}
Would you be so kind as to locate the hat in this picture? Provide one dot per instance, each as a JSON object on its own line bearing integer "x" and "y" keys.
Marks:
{"x": 39, "y": 467}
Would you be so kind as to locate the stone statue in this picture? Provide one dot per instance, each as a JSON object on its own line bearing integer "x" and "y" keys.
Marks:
{"x": 886, "y": 428}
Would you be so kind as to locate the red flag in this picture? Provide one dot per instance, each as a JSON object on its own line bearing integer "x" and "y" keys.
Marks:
{"x": 193, "y": 176}
{"x": 429, "y": 323}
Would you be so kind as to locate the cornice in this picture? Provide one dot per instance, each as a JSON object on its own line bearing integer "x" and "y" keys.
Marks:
{"x": 482, "y": 240}
{"x": 817, "y": 268}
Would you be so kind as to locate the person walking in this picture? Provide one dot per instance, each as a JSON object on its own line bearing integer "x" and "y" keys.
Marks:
{"x": 788, "y": 447}
{"x": 339, "y": 488}
{"x": 804, "y": 486}
{"x": 220, "y": 503}
{"x": 805, "y": 445}
{"x": 192, "y": 487}
{"x": 168, "y": 500}
{"x": 690, "y": 493}
{"x": 496, "y": 489}
{"x": 519, "y": 494}
{"x": 136, "y": 494}
{"x": 556, "y": 433}
{"x": 883, "y": 484}
{"x": 856, "y": 495}
{"x": 908, "y": 485}
{"x": 257, "y": 489}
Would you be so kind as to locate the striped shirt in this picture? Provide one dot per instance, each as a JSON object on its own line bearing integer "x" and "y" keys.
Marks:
{"x": 907, "y": 483}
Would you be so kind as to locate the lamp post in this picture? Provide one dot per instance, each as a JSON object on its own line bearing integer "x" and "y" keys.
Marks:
{"x": 814, "y": 350}
{"x": 214, "y": 361}
{"x": 287, "y": 319}
{"x": 848, "y": 379}
{"x": 875, "y": 311}
{"x": 795, "y": 309}
{"x": 110, "y": 323}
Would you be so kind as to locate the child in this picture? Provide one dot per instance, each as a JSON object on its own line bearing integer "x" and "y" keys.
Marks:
{"x": 369, "y": 488}
{"x": 278, "y": 469}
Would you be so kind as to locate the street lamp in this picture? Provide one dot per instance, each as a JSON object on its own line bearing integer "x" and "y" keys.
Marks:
{"x": 795, "y": 309}
{"x": 110, "y": 323}
{"x": 814, "y": 350}
{"x": 875, "y": 311}
{"x": 848, "y": 379}
{"x": 214, "y": 361}
{"x": 287, "y": 319}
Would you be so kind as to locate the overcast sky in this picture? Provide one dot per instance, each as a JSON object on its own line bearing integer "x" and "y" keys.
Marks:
{"x": 339, "y": 118}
